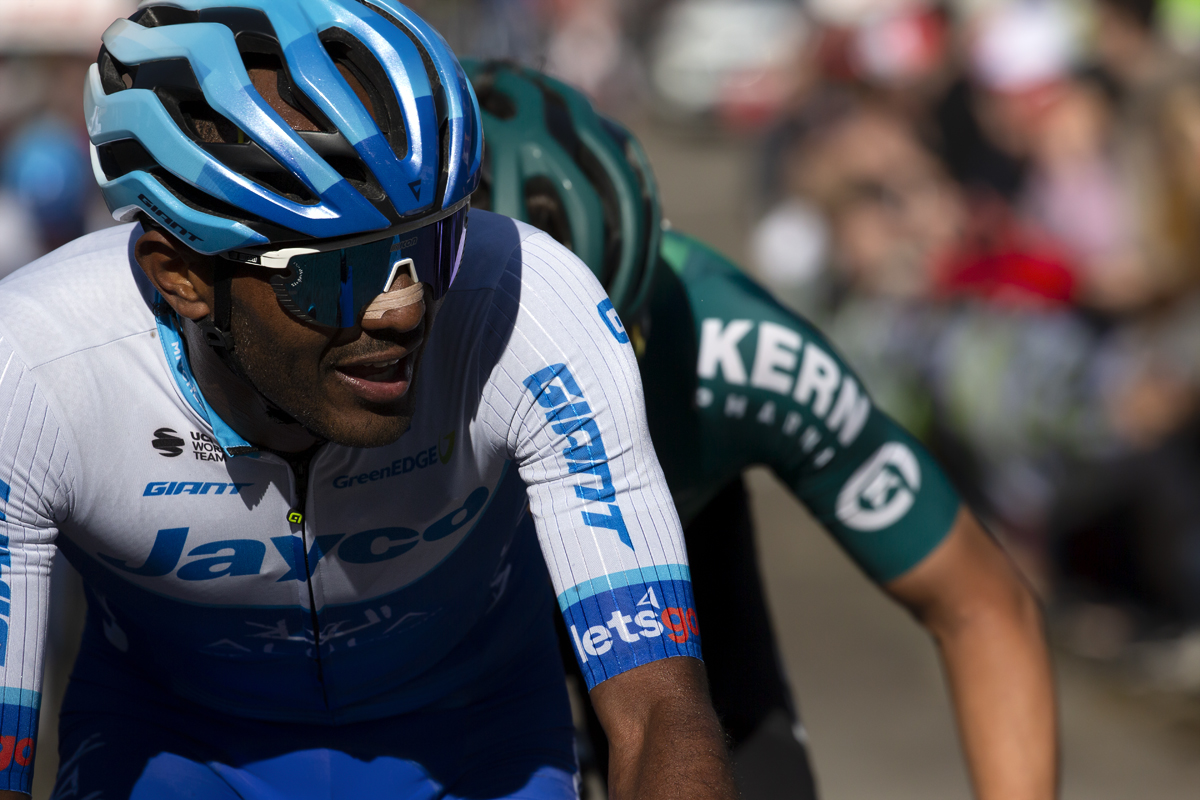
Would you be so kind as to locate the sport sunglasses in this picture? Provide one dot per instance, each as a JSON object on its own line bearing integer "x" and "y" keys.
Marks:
{"x": 333, "y": 286}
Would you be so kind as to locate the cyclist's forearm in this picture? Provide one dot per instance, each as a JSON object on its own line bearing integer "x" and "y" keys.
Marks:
{"x": 1004, "y": 700}
{"x": 664, "y": 737}
{"x": 989, "y": 631}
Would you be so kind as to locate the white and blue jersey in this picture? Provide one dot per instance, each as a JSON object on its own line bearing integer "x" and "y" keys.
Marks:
{"x": 403, "y": 582}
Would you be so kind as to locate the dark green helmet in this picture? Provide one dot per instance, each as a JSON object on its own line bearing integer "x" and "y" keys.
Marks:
{"x": 552, "y": 161}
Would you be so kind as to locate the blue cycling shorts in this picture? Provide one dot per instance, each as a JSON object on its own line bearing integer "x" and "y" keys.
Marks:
{"x": 143, "y": 742}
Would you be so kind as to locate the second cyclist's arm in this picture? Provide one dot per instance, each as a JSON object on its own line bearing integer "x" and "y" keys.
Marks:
{"x": 777, "y": 381}
{"x": 989, "y": 632}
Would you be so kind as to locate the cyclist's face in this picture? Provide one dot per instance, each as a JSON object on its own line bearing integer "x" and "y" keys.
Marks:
{"x": 350, "y": 386}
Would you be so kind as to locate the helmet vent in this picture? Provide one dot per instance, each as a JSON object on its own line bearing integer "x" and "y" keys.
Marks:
{"x": 202, "y": 201}
{"x": 286, "y": 184}
{"x": 228, "y": 144}
{"x": 267, "y": 72}
{"x": 206, "y": 125}
{"x": 439, "y": 98}
{"x": 367, "y": 78}
{"x": 546, "y": 211}
{"x": 558, "y": 122}
{"x": 562, "y": 128}
{"x": 159, "y": 16}
{"x": 495, "y": 102}
{"x": 114, "y": 76}
{"x": 611, "y": 206}
{"x": 123, "y": 157}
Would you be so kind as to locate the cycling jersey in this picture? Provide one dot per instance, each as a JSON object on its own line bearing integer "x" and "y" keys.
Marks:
{"x": 733, "y": 379}
{"x": 142, "y": 741}
{"x": 368, "y": 582}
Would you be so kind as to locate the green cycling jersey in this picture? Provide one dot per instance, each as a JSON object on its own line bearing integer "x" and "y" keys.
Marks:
{"x": 732, "y": 379}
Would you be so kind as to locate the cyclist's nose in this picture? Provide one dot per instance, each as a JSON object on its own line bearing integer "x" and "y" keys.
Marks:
{"x": 402, "y": 308}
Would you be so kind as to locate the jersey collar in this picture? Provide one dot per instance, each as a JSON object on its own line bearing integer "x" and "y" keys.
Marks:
{"x": 172, "y": 344}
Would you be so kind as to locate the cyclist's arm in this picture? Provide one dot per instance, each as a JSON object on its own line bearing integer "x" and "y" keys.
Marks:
{"x": 33, "y": 457}
{"x": 889, "y": 505}
{"x": 663, "y": 736}
{"x": 606, "y": 523}
{"x": 989, "y": 631}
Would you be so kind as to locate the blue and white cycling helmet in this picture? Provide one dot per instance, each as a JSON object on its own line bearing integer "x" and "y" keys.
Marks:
{"x": 381, "y": 183}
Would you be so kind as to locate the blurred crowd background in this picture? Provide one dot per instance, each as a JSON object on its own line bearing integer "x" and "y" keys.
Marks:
{"x": 992, "y": 207}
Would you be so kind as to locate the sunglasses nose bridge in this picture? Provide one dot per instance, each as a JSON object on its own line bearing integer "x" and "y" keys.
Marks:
{"x": 395, "y": 300}
{"x": 401, "y": 310}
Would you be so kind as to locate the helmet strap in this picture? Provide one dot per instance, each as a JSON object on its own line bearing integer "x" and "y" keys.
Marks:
{"x": 216, "y": 330}
{"x": 216, "y": 327}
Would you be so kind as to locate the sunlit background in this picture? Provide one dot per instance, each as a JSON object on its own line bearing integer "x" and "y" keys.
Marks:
{"x": 992, "y": 207}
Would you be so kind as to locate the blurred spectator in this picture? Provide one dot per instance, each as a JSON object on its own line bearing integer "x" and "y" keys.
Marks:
{"x": 1019, "y": 55}
{"x": 1075, "y": 190}
{"x": 1129, "y": 48}
{"x": 17, "y": 227}
{"x": 511, "y": 29}
{"x": 47, "y": 194}
{"x": 892, "y": 211}
{"x": 731, "y": 60}
{"x": 999, "y": 220}
{"x": 45, "y": 170}
{"x": 587, "y": 46}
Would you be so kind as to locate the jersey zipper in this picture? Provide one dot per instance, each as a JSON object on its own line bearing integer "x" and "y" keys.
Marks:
{"x": 300, "y": 464}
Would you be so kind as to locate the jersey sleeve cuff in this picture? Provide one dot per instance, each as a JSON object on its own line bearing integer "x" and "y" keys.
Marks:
{"x": 18, "y": 737}
{"x": 621, "y": 621}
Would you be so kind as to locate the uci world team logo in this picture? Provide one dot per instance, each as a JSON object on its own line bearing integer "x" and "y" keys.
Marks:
{"x": 167, "y": 443}
{"x": 882, "y": 491}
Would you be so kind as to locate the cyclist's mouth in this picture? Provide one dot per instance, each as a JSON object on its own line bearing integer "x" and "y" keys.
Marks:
{"x": 382, "y": 380}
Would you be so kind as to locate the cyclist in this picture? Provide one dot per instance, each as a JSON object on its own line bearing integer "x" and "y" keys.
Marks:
{"x": 307, "y": 517}
{"x": 732, "y": 379}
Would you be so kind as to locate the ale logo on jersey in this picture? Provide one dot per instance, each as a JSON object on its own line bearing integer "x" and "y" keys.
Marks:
{"x": 882, "y": 491}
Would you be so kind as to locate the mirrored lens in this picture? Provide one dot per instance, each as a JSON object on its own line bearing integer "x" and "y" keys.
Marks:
{"x": 334, "y": 288}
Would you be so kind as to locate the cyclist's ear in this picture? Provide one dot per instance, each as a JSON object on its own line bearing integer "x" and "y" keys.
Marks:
{"x": 181, "y": 276}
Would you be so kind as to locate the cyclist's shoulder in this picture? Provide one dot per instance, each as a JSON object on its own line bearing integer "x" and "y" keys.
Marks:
{"x": 501, "y": 251}
{"x": 85, "y": 294}
{"x": 718, "y": 289}
{"x": 518, "y": 289}
{"x": 691, "y": 258}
